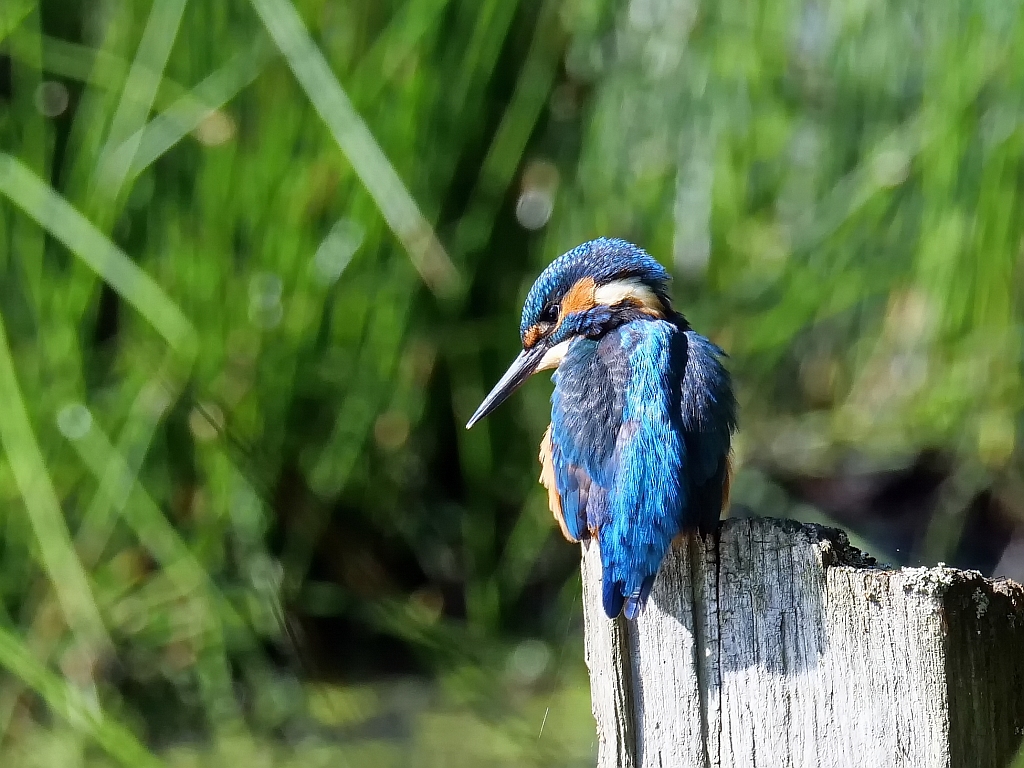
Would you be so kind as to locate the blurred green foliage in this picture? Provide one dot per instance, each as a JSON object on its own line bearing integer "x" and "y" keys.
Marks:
{"x": 260, "y": 260}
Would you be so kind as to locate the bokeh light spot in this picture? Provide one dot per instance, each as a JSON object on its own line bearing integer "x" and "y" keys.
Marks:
{"x": 534, "y": 207}
{"x": 265, "y": 310}
{"x": 537, "y": 199}
{"x": 391, "y": 430}
{"x": 74, "y": 421}
{"x": 528, "y": 661}
{"x": 217, "y": 128}
{"x": 51, "y": 98}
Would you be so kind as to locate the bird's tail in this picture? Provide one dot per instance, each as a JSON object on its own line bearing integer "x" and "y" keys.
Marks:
{"x": 616, "y": 600}
{"x": 612, "y": 595}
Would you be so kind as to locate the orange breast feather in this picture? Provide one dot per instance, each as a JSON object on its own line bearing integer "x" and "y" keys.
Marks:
{"x": 547, "y": 479}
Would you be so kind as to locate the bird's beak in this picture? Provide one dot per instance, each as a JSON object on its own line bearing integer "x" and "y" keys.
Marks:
{"x": 521, "y": 369}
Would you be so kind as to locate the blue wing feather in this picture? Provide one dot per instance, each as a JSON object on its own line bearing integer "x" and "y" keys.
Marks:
{"x": 709, "y": 419}
{"x": 648, "y": 496}
{"x": 586, "y": 414}
{"x": 639, "y": 443}
{"x": 574, "y": 489}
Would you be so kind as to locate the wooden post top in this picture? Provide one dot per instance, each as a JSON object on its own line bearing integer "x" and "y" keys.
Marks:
{"x": 779, "y": 644}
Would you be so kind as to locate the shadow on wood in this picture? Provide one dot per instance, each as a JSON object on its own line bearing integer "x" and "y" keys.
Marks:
{"x": 779, "y": 644}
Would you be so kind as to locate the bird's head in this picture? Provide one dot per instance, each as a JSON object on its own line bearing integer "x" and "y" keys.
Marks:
{"x": 591, "y": 289}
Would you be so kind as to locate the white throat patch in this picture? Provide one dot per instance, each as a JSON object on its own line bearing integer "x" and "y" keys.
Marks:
{"x": 554, "y": 356}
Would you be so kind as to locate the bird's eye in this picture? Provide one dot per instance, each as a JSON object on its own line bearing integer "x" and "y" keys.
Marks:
{"x": 549, "y": 314}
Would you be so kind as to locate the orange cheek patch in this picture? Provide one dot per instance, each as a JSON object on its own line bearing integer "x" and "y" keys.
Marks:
{"x": 532, "y": 336}
{"x": 580, "y": 297}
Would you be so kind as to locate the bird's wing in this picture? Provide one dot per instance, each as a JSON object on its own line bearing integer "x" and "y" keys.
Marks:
{"x": 568, "y": 482}
{"x": 648, "y": 495}
{"x": 577, "y": 453}
{"x": 709, "y": 419}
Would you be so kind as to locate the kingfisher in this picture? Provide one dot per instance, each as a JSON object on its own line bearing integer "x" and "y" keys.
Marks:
{"x": 637, "y": 454}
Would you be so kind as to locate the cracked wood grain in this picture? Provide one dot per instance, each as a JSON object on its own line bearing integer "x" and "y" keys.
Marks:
{"x": 779, "y": 644}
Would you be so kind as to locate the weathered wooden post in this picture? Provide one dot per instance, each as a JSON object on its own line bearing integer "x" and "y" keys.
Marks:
{"x": 784, "y": 646}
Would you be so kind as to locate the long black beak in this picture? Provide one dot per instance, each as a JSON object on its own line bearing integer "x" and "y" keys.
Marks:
{"x": 520, "y": 370}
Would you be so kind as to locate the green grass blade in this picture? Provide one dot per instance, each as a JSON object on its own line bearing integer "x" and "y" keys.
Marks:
{"x": 147, "y": 144}
{"x": 116, "y": 470}
{"x": 59, "y": 218}
{"x": 76, "y": 61}
{"x": 478, "y": 57}
{"x": 120, "y": 494}
{"x": 394, "y": 47}
{"x": 12, "y": 14}
{"x": 26, "y": 461}
{"x": 32, "y": 146}
{"x": 73, "y": 706}
{"x": 96, "y": 67}
{"x": 517, "y": 124}
{"x": 357, "y": 142}
{"x": 139, "y": 92}
{"x": 111, "y": 495}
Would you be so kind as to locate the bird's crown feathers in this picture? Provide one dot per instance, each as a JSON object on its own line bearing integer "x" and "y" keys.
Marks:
{"x": 602, "y": 262}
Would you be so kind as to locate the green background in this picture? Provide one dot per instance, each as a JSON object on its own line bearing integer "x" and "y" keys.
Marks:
{"x": 259, "y": 261}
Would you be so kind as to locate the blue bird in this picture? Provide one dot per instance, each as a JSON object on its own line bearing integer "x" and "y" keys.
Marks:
{"x": 642, "y": 414}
